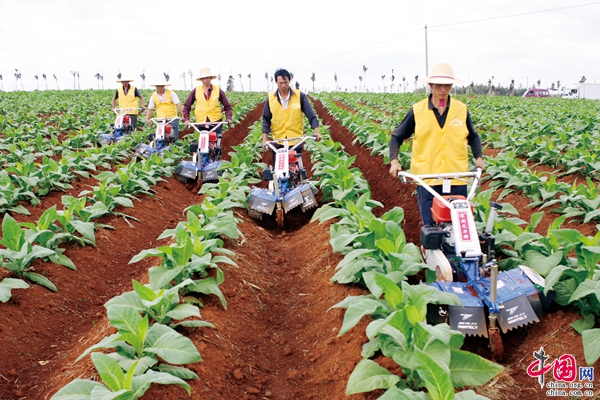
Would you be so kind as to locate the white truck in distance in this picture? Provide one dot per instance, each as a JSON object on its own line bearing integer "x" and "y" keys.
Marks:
{"x": 582, "y": 91}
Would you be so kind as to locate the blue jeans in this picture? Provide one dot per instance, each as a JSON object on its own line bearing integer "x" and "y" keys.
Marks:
{"x": 425, "y": 200}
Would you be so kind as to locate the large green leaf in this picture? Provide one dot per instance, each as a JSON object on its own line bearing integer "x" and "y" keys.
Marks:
{"x": 130, "y": 299}
{"x": 391, "y": 291}
{"x": 368, "y": 376}
{"x": 469, "y": 395}
{"x": 109, "y": 370}
{"x": 160, "y": 276}
{"x": 179, "y": 372}
{"x": 356, "y": 311}
{"x": 591, "y": 345}
{"x": 542, "y": 264}
{"x": 405, "y": 394}
{"x": 468, "y": 369}
{"x": 7, "y": 284}
{"x": 12, "y": 233}
{"x": 141, "y": 383}
{"x": 171, "y": 346}
{"x": 436, "y": 377}
{"x": 585, "y": 288}
{"x": 209, "y": 286}
{"x": 183, "y": 311}
{"x": 41, "y": 280}
{"x": 124, "y": 317}
{"x": 86, "y": 229}
{"x": 79, "y": 389}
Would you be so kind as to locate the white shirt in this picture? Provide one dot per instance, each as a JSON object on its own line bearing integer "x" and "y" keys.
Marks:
{"x": 174, "y": 97}
{"x": 286, "y": 101}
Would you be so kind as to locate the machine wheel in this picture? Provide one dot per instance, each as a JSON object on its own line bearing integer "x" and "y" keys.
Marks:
{"x": 496, "y": 344}
{"x": 279, "y": 214}
{"x": 443, "y": 273}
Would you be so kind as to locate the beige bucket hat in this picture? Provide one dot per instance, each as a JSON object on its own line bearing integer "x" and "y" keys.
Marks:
{"x": 441, "y": 73}
{"x": 205, "y": 73}
{"x": 124, "y": 78}
{"x": 160, "y": 82}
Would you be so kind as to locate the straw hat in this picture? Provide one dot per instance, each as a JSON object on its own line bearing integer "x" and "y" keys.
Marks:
{"x": 160, "y": 82}
{"x": 205, "y": 73}
{"x": 124, "y": 78}
{"x": 441, "y": 73}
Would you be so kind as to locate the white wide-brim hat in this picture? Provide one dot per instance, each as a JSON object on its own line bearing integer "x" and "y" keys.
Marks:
{"x": 205, "y": 73}
{"x": 124, "y": 78}
{"x": 160, "y": 82}
{"x": 441, "y": 73}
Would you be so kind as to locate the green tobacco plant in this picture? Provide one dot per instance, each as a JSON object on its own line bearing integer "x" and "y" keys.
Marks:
{"x": 337, "y": 180}
{"x": 188, "y": 259}
{"x": 48, "y": 234}
{"x": 111, "y": 196}
{"x": 74, "y": 226}
{"x": 79, "y": 208}
{"x": 229, "y": 192}
{"x": 138, "y": 347}
{"x": 429, "y": 356}
{"x": 54, "y": 176}
{"x": 241, "y": 164}
{"x": 26, "y": 177}
{"x": 10, "y": 195}
{"x": 129, "y": 179}
{"x": 209, "y": 220}
{"x": 369, "y": 243}
{"x": 118, "y": 384}
{"x": 137, "y": 340}
{"x": 19, "y": 253}
{"x": 162, "y": 305}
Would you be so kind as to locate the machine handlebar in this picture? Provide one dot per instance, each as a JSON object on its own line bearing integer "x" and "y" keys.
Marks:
{"x": 215, "y": 125}
{"x": 271, "y": 143}
{"x": 163, "y": 120}
{"x": 420, "y": 179}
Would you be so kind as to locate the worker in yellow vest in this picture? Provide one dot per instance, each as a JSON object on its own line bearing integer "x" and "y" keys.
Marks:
{"x": 442, "y": 129}
{"x": 283, "y": 109}
{"x": 208, "y": 98}
{"x": 128, "y": 96}
{"x": 167, "y": 104}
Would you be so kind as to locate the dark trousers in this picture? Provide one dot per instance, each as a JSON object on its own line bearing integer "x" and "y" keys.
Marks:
{"x": 133, "y": 119}
{"x": 175, "y": 126}
{"x": 425, "y": 200}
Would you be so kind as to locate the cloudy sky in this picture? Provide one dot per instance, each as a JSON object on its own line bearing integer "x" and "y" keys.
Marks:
{"x": 524, "y": 40}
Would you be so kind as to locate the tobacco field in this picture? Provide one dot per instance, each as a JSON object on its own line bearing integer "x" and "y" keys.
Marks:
{"x": 118, "y": 281}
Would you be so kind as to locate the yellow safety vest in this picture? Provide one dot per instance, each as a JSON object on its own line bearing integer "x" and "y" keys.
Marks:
{"x": 440, "y": 150}
{"x": 128, "y": 100}
{"x": 208, "y": 108}
{"x": 286, "y": 123}
{"x": 165, "y": 108}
